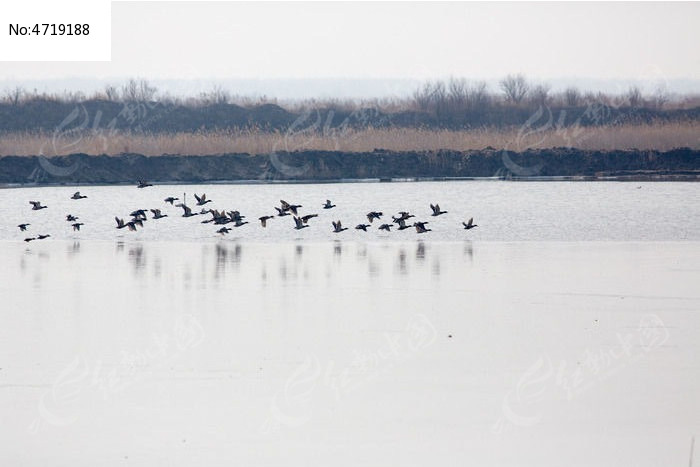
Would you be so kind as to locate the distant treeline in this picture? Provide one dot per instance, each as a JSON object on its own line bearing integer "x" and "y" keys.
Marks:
{"x": 138, "y": 106}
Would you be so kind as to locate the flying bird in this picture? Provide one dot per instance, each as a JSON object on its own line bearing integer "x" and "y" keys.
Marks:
{"x": 305, "y": 219}
{"x": 71, "y": 218}
{"x": 403, "y": 216}
{"x": 436, "y": 210}
{"x": 36, "y": 205}
{"x": 386, "y": 227}
{"x": 235, "y": 216}
{"x": 76, "y": 226}
{"x": 420, "y": 227}
{"x": 264, "y": 219}
{"x": 362, "y": 227}
{"x": 470, "y": 224}
{"x": 77, "y": 195}
{"x": 239, "y": 222}
{"x": 402, "y": 224}
{"x": 374, "y": 215}
{"x": 299, "y": 223}
{"x": 187, "y": 211}
{"x": 338, "y": 227}
{"x": 201, "y": 200}
{"x": 143, "y": 184}
{"x": 23, "y": 227}
{"x": 290, "y": 207}
{"x": 157, "y": 214}
{"x": 170, "y": 199}
{"x": 281, "y": 212}
{"x": 328, "y": 205}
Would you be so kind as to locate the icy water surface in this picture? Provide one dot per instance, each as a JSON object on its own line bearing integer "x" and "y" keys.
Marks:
{"x": 171, "y": 346}
{"x": 525, "y": 211}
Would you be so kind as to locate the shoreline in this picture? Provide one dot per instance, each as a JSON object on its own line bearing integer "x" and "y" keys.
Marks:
{"x": 306, "y": 167}
{"x": 620, "y": 179}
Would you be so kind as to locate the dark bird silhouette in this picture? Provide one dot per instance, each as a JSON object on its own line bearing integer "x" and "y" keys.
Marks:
{"x": 143, "y": 184}
{"x": 77, "y": 225}
{"x": 386, "y": 227}
{"x": 132, "y": 226}
{"x": 170, "y": 199}
{"x": 402, "y": 224}
{"x": 201, "y": 201}
{"x": 235, "y": 216}
{"x": 77, "y": 195}
{"x": 264, "y": 219}
{"x": 436, "y": 210}
{"x": 299, "y": 223}
{"x": 224, "y": 217}
{"x": 71, "y": 218}
{"x": 36, "y": 205}
{"x": 362, "y": 227}
{"x": 281, "y": 212}
{"x": 29, "y": 239}
{"x": 120, "y": 223}
{"x": 403, "y": 216}
{"x": 157, "y": 214}
{"x": 239, "y": 222}
{"x": 290, "y": 207}
{"x": 420, "y": 227}
{"x": 374, "y": 215}
{"x": 216, "y": 217}
{"x": 187, "y": 211}
{"x": 470, "y": 224}
{"x": 223, "y": 230}
{"x": 338, "y": 227}
{"x": 305, "y": 219}
{"x": 23, "y": 227}
{"x": 41, "y": 237}
{"x": 139, "y": 214}
{"x": 328, "y": 205}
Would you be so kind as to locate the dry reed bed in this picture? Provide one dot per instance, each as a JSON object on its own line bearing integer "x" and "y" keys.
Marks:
{"x": 644, "y": 137}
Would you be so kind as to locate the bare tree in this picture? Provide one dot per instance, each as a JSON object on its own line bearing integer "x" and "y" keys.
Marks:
{"x": 660, "y": 98}
{"x": 14, "y": 96}
{"x": 146, "y": 91}
{"x": 219, "y": 96}
{"x": 457, "y": 93}
{"x": 111, "y": 93}
{"x": 634, "y": 97}
{"x": 439, "y": 98}
{"x": 140, "y": 90}
{"x": 514, "y": 87}
{"x": 421, "y": 97}
{"x": 539, "y": 95}
{"x": 130, "y": 91}
{"x": 572, "y": 96}
{"x": 478, "y": 96}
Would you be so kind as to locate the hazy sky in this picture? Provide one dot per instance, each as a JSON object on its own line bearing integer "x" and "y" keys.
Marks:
{"x": 208, "y": 40}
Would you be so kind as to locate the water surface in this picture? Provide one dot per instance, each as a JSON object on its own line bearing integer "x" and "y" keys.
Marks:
{"x": 171, "y": 346}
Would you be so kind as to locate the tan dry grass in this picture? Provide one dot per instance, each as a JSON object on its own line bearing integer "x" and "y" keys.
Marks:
{"x": 658, "y": 136}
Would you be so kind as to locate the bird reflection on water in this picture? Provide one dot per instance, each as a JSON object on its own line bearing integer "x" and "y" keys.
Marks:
{"x": 268, "y": 264}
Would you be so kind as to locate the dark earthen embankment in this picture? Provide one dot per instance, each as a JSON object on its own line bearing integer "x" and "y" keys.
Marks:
{"x": 683, "y": 164}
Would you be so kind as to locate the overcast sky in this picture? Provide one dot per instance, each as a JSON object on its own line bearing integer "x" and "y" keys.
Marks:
{"x": 654, "y": 42}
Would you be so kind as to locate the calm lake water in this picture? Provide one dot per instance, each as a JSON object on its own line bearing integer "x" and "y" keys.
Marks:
{"x": 565, "y": 329}
{"x": 526, "y": 211}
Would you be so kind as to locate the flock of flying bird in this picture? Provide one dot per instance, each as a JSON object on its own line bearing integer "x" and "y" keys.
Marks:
{"x": 223, "y": 217}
